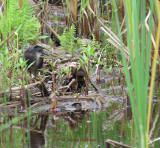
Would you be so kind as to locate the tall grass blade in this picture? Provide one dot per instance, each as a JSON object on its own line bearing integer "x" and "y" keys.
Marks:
{"x": 153, "y": 68}
{"x": 139, "y": 44}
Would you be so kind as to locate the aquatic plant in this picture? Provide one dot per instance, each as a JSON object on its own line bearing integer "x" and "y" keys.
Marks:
{"x": 139, "y": 48}
{"x": 18, "y": 26}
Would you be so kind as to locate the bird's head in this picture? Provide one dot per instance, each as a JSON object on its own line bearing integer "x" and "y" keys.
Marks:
{"x": 39, "y": 50}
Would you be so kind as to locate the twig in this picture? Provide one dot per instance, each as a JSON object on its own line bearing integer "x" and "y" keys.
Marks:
{"x": 51, "y": 30}
{"x": 7, "y": 39}
{"x": 16, "y": 90}
{"x": 115, "y": 144}
{"x": 67, "y": 86}
{"x": 78, "y": 97}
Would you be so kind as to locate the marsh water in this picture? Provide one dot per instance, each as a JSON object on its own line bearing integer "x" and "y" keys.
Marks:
{"x": 67, "y": 129}
{"x": 83, "y": 129}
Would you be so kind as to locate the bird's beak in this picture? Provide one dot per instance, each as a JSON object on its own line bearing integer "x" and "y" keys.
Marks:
{"x": 45, "y": 53}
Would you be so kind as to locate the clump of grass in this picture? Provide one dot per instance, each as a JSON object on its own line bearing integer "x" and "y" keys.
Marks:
{"x": 139, "y": 45}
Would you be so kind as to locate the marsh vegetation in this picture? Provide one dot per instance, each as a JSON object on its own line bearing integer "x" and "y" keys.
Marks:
{"x": 79, "y": 73}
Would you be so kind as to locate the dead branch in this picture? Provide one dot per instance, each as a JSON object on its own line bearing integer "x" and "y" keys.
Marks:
{"x": 115, "y": 144}
{"x": 16, "y": 91}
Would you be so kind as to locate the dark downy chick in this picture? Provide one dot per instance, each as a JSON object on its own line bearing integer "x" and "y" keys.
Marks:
{"x": 34, "y": 54}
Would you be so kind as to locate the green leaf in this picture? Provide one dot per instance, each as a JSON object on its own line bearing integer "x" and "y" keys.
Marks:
{"x": 85, "y": 58}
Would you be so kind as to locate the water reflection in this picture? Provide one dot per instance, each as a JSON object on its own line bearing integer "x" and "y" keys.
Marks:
{"x": 38, "y": 125}
{"x": 75, "y": 129}
{"x": 74, "y": 118}
{"x": 37, "y": 139}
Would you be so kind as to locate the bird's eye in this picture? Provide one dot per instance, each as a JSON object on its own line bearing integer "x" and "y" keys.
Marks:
{"x": 40, "y": 50}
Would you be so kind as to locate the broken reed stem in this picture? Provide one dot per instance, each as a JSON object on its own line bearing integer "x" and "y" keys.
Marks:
{"x": 7, "y": 39}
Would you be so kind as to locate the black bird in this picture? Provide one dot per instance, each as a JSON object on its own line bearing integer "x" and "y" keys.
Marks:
{"x": 33, "y": 55}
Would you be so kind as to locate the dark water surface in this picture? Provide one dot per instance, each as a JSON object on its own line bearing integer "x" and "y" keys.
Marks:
{"x": 82, "y": 129}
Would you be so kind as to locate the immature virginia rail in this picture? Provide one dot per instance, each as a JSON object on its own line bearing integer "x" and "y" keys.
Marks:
{"x": 33, "y": 55}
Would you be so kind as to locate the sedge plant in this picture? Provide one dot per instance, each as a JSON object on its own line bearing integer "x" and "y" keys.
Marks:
{"x": 139, "y": 45}
{"x": 18, "y": 27}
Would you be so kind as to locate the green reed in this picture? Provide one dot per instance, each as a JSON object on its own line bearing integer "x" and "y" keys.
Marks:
{"x": 139, "y": 45}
